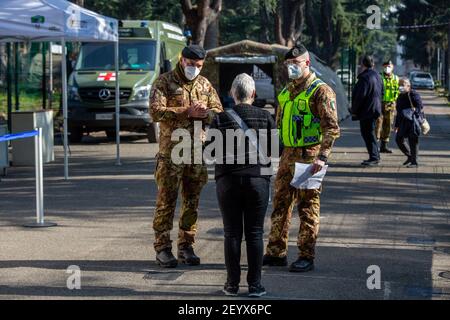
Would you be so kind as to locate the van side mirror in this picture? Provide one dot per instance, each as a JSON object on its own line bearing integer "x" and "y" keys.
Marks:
{"x": 167, "y": 66}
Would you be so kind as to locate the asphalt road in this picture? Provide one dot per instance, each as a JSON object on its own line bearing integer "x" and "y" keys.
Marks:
{"x": 390, "y": 217}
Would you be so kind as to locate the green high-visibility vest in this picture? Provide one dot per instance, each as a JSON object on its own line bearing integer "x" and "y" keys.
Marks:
{"x": 298, "y": 126}
{"x": 391, "y": 90}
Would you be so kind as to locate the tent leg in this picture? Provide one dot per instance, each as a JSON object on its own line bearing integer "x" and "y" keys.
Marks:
{"x": 117, "y": 101}
{"x": 64, "y": 101}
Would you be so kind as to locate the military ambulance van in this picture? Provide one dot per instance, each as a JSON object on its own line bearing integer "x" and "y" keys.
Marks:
{"x": 146, "y": 50}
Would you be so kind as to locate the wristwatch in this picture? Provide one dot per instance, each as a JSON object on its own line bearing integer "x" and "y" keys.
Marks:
{"x": 323, "y": 158}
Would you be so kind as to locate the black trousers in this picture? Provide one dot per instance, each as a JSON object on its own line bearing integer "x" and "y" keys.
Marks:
{"x": 410, "y": 148}
{"x": 243, "y": 202}
{"x": 368, "y": 134}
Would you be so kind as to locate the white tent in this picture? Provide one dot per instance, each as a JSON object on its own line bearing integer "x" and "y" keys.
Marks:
{"x": 59, "y": 20}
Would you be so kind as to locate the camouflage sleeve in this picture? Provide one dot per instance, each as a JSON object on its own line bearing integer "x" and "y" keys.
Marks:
{"x": 325, "y": 100}
{"x": 278, "y": 116}
{"x": 214, "y": 105}
{"x": 159, "y": 111}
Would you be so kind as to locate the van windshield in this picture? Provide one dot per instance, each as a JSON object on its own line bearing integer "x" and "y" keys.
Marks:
{"x": 133, "y": 55}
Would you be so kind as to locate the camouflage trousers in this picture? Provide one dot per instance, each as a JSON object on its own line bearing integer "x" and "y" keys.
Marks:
{"x": 169, "y": 178}
{"x": 383, "y": 126}
{"x": 286, "y": 197}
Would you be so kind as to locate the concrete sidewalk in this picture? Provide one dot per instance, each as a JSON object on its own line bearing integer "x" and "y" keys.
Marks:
{"x": 388, "y": 216}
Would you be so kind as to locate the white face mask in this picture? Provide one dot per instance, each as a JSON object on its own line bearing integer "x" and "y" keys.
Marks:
{"x": 191, "y": 72}
{"x": 388, "y": 70}
{"x": 402, "y": 89}
{"x": 294, "y": 71}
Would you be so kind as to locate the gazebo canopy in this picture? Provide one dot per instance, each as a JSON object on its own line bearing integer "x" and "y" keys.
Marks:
{"x": 51, "y": 20}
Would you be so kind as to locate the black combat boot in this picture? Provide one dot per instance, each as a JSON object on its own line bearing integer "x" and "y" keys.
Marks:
{"x": 302, "y": 265}
{"x": 370, "y": 163}
{"x": 187, "y": 256}
{"x": 274, "y": 261}
{"x": 166, "y": 259}
{"x": 384, "y": 148}
{"x": 408, "y": 161}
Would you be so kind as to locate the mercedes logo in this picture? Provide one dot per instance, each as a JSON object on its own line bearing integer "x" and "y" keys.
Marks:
{"x": 104, "y": 94}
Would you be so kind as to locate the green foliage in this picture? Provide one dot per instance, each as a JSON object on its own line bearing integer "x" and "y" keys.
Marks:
{"x": 239, "y": 20}
{"x": 255, "y": 19}
{"x": 122, "y": 9}
{"x": 420, "y": 43}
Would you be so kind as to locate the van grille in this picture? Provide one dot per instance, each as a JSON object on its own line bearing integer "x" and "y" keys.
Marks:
{"x": 92, "y": 95}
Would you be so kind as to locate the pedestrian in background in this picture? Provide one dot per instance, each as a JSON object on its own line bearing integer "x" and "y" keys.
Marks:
{"x": 366, "y": 107}
{"x": 407, "y": 123}
{"x": 243, "y": 189}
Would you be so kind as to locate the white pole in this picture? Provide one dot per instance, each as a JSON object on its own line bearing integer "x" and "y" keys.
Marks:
{"x": 64, "y": 101}
{"x": 50, "y": 86}
{"x": 39, "y": 168}
{"x": 40, "y": 179}
{"x": 37, "y": 164}
{"x": 117, "y": 100}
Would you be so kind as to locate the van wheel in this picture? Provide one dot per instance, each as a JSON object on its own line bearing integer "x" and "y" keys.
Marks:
{"x": 75, "y": 134}
{"x": 153, "y": 133}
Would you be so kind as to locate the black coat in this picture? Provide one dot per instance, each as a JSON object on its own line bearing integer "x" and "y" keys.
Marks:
{"x": 255, "y": 118}
{"x": 367, "y": 96}
{"x": 407, "y": 120}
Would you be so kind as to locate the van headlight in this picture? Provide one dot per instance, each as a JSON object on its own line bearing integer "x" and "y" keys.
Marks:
{"x": 73, "y": 93}
{"x": 142, "y": 92}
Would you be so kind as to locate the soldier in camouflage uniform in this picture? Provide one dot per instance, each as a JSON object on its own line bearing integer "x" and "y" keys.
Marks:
{"x": 322, "y": 105}
{"x": 178, "y": 99}
{"x": 384, "y": 123}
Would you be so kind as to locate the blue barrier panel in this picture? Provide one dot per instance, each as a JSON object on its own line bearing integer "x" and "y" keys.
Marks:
{"x": 22, "y": 135}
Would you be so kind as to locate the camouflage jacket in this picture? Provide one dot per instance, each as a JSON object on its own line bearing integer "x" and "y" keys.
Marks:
{"x": 323, "y": 106}
{"x": 172, "y": 94}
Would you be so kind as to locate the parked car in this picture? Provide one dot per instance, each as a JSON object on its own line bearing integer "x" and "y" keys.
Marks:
{"x": 421, "y": 80}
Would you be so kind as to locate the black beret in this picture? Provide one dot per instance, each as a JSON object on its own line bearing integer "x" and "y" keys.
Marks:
{"x": 296, "y": 51}
{"x": 194, "y": 52}
{"x": 386, "y": 63}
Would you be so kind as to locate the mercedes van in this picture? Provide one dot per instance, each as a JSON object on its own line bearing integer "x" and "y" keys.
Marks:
{"x": 146, "y": 50}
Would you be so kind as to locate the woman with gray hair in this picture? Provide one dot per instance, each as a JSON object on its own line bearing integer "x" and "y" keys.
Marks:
{"x": 407, "y": 122}
{"x": 243, "y": 186}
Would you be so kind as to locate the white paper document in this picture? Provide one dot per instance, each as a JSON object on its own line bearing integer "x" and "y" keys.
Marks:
{"x": 303, "y": 178}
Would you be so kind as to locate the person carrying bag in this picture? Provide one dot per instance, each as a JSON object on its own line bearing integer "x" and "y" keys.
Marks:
{"x": 410, "y": 123}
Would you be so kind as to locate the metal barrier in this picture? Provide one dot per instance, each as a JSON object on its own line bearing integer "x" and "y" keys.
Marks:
{"x": 37, "y": 134}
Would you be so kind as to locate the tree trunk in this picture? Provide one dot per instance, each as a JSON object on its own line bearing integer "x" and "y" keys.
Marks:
{"x": 289, "y": 21}
{"x": 212, "y": 35}
{"x": 312, "y": 26}
{"x": 265, "y": 21}
{"x": 279, "y": 37}
{"x": 327, "y": 31}
{"x": 201, "y": 17}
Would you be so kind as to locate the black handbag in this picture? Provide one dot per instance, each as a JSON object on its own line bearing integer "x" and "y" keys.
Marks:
{"x": 423, "y": 123}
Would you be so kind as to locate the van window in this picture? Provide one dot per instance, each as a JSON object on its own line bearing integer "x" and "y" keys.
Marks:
{"x": 133, "y": 55}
